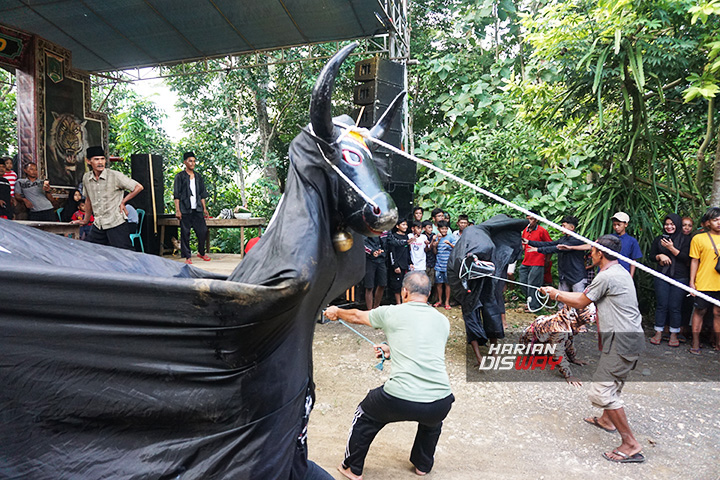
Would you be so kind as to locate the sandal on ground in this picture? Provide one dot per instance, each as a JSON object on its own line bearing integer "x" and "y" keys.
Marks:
{"x": 205, "y": 257}
{"x": 188, "y": 261}
{"x": 447, "y": 307}
{"x": 676, "y": 343}
{"x": 655, "y": 342}
{"x": 437, "y": 304}
{"x": 637, "y": 458}
{"x": 595, "y": 422}
{"x": 694, "y": 351}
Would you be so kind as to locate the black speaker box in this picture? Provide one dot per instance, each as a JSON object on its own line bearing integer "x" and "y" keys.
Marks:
{"x": 377, "y": 68}
{"x": 402, "y": 193}
{"x": 141, "y": 165}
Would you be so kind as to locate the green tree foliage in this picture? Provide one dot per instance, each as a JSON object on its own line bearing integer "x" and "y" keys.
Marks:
{"x": 8, "y": 123}
{"x": 242, "y": 113}
{"x": 566, "y": 106}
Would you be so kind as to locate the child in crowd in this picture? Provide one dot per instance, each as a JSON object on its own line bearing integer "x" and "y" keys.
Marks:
{"x": 430, "y": 250}
{"x": 445, "y": 244}
{"x": 5, "y": 198}
{"x": 462, "y": 223}
{"x": 11, "y": 177}
{"x": 398, "y": 257}
{"x": 78, "y": 217}
{"x": 418, "y": 242}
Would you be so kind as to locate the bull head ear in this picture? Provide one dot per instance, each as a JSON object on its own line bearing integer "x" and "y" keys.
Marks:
{"x": 383, "y": 124}
{"x": 321, "y": 101}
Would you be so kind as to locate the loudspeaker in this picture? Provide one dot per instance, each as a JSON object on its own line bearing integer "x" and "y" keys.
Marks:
{"x": 382, "y": 82}
{"x": 402, "y": 194}
{"x": 148, "y": 171}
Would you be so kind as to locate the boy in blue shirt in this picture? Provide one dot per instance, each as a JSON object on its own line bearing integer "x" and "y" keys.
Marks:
{"x": 445, "y": 243}
{"x": 630, "y": 246}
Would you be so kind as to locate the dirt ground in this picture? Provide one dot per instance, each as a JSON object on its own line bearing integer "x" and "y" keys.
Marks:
{"x": 525, "y": 430}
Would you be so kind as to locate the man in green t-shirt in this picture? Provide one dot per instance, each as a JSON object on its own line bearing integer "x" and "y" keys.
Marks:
{"x": 418, "y": 389}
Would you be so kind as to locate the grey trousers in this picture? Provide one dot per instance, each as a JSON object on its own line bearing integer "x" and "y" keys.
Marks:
{"x": 531, "y": 275}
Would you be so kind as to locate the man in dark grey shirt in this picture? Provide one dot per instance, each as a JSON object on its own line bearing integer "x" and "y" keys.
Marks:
{"x": 35, "y": 194}
{"x": 621, "y": 341}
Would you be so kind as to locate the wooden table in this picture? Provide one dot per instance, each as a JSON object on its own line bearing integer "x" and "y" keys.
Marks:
{"x": 65, "y": 229}
{"x": 241, "y": 223}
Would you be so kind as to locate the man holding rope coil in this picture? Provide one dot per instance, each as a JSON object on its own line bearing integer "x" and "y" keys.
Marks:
{"x": 620, "y": 339}
{"x": 418, "y": 389}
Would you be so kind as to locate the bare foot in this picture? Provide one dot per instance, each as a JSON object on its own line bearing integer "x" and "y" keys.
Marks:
{"x": 347, "y": 473}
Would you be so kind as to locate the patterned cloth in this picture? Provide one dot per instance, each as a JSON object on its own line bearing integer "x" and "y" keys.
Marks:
{"x": 559, "y": 329}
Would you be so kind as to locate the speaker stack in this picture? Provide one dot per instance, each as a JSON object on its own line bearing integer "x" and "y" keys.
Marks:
{"x": 148, "y": 171}
{"x": 381, "y": 81}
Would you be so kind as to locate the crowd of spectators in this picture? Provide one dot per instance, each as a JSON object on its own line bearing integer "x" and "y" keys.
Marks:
{"x": 681, "y": 252}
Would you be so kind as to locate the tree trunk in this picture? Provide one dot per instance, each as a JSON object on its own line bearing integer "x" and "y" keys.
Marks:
{"x": 701, "y": 164}
{"x": 715, "y": 197}
{"x": 238, "y": 157}
{"x": 266, "y": 133}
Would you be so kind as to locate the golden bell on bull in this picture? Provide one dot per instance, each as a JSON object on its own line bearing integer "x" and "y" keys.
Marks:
{"x": 342, "y": 241}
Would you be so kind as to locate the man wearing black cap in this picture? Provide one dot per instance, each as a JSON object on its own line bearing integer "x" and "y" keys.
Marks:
{"x": 105, "y": 199}
{"x": 189, "y": 193}
{"x": 571, "y": 262}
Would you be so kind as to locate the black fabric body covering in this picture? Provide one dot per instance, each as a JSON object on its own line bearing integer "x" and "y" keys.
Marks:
{"x": 116, "y": 364}
{"x": 498, "y": 240}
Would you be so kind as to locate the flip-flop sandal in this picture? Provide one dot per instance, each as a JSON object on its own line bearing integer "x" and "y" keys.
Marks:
{"x": 447, "y": 307}
{"x": 694, "y": 351}
{"x": 637, "y": 458}
{"x": 676, "y": 343}
{"x": 597, "y": 424}
{"x": 655, "y": 342}
{"x": 437, "y": 304}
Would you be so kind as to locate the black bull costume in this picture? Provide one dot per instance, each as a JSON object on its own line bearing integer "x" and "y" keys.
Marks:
{"x": 497, "y": 240}
{"x": 115, "y": 364}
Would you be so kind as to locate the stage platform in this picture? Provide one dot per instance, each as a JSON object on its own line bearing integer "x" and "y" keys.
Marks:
{"x": 222, "y": 263}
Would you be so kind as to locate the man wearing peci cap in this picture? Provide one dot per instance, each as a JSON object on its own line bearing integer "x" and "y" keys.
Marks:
{"x": 190, "y": 193}
{"x": 105, "y": 199}
{"x": 630, "y": 246}
{"x": 571, "y": 260}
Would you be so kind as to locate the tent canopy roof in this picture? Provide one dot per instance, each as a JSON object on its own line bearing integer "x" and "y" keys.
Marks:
{"x": 108, "y": 35}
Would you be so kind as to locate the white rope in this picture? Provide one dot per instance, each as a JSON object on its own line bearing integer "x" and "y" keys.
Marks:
{"x": 527, "y": 212}
{"x": 347, "y": 180}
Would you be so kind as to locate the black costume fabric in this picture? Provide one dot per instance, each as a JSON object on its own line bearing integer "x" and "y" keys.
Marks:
{"x": 116, "y": 364}
{"x": 498, "y": 240}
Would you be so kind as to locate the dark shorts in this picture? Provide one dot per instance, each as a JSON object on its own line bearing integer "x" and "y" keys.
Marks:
{"x": 440, "y": 277}
{"x": 375, "y": 274}
{"x": 702, "y": 304}
{"x": 395, "y": 280}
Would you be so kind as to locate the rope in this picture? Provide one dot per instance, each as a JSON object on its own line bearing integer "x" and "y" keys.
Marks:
{"x": 347, "y": 180}
{"x": 379, "y": 366}
{"x": 540, "y": 218}
{"x": 542, "y": 298}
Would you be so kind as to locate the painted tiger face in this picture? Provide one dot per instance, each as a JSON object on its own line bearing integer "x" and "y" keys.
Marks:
{"x": 67, "y": 137}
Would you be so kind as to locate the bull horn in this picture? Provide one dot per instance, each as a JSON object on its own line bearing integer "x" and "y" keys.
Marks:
{"x": 384, "y": 123}
{"x": 321, "y": 101}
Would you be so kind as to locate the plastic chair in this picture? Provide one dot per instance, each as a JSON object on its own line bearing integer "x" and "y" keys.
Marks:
{"x": 133, "y": 236}
{"x": 59, "y": 213}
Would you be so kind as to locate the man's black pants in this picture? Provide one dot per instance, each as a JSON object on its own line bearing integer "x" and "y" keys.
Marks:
{"x": 378, "y": 409}
{"x": 196, "y": 221}
{"x": 115, "y": 237}
{"x": 48, "y": 215}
